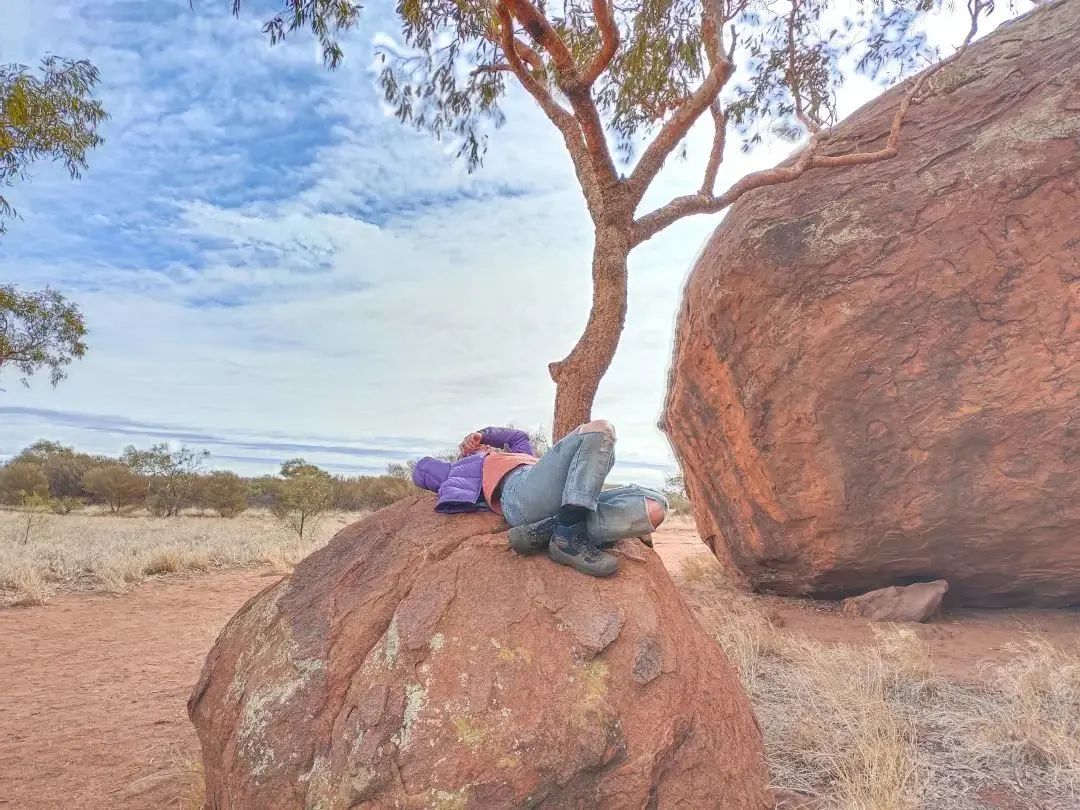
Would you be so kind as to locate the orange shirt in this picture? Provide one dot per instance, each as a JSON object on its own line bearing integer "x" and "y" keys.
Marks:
{"x": 496, "y": 468}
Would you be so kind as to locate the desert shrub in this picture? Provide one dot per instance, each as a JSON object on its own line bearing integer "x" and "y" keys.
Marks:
{"x": 348, "y": 494}
{"x": 20, "y": 480}
{"x": 401, "y": 472}
{"x": 114, "y": 485}
{"x": 66, "y": 505}
{"x": 172, "y": 476}
{"x": 675, "y": 491}
{"x": 383, "y": 490}
{"x": 32, "y": 511}
{"x": 63, "y": 467}
{"x": 304, "y": 494}
{"x": 30, "y": 589}
{"x": 224, "y": 492}
{"x": 540, "y": 442}
{"x": 262, "y": 491}
{"x": 373, "y": 491}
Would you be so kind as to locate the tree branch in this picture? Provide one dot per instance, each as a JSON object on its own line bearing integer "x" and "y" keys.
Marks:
{"x": 499, "y": 67}
{"x": 543, "y": 33}
{"x": 529, "y": 55}
{"x": 702, "y": 203}
{"x": 716, "y": 153}
{"x": 563, "y": 120}
{"x": 609, "y": 32}
{"x": 712, "y": 29}
{"x": 569, "y": 79}
{"x": 705, "y": 202}
{"x": 559, "y": 116}
{"x": 676, "y": 127}
{"x": 812, "y": 124}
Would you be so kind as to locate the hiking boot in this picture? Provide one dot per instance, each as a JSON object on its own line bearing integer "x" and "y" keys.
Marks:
{"x": 572, "y": 546}
{"x": 532, "y": 537}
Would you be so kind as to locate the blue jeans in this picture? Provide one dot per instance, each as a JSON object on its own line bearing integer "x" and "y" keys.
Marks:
{"x": 572, "y": 473}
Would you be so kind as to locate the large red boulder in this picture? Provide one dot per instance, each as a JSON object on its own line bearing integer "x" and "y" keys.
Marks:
{"x": 416, "y": 661}
{"x": 877, "y": 372}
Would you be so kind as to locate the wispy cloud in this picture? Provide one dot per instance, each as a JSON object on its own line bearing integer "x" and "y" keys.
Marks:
{"x": 235, "y": 449}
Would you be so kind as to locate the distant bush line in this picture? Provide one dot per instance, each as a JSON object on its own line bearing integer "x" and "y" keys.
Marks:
{"x": 50, "y": 476}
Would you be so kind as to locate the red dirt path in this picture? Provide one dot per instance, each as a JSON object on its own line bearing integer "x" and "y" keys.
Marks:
{"x": 93, "y": 688}
{"x": 93, "y": 691}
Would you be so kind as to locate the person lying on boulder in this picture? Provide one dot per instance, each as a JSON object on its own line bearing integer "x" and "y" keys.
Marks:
{"x": 556, "y": 502}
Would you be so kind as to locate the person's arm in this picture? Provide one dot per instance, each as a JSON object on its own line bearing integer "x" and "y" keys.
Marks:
{"x": 512, "y": 439}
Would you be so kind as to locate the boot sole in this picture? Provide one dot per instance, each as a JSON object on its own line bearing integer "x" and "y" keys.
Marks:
{"x": 577, "y": 564}
{"x": 522, "y": 542}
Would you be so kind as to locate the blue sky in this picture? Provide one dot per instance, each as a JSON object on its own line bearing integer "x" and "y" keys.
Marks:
{"x": 270, "y": 265}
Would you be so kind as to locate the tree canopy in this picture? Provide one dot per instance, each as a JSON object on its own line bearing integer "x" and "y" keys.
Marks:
{"x": 49, "y": 114}
{"x": 39, "y": 330}
{"x": 643, "y": 63}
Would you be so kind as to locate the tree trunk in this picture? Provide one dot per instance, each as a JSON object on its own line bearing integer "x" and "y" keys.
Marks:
{"x": 577, "y": 377}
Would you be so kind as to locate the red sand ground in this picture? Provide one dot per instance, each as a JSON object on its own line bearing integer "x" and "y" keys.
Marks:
{"x": 93, "y": 688}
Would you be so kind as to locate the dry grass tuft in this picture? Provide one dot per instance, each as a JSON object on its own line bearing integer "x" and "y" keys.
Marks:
{"x": 278, "y": 560}
{"x": 877, "y": 728}
{"x": 702, "y": 569}
{"x": 729, "y": 616}
{"x": 1036, "y": 724}
{"x": 193, "y": 778}
{"x": 162, "y": 561}
{"x": 906, "y": 655}
{"x": 834, "y": 725}
{"x": 112, "y": 554}
{"x": 28, "y": 587}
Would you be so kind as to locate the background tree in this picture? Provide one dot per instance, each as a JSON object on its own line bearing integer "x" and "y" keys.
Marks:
{"x": 114, "y": 484}
{"x": 20, "y": 480}
{"x": 262, "y": 491}
{"x": 39, "y": 331}
{"x": 63, "y": 466}
{"x": 305, "y": 494}
{"x": 636, "y": 77}
{"x": 224, "y": 492}
{"x": 172, "y": 476}
{"x": 34, "y": 509}
{"x": 45, "y": 115}
{"x": 675, "y": 491}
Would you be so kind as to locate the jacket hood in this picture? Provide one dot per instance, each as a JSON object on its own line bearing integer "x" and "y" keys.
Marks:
{"x": 430, "y": 473}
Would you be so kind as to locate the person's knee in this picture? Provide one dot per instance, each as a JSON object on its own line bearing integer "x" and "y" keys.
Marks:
{"x": 656, "y": 511}
{"x": 599, "y": 426}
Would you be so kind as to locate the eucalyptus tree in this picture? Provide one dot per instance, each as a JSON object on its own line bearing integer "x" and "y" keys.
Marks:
{"x": 623, "y": 83}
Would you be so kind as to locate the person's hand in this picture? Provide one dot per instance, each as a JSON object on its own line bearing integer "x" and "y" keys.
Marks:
{"x": 472, "y": 443}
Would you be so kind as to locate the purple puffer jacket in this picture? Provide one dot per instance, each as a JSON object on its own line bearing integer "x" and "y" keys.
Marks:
{"x": 460, "y": 483}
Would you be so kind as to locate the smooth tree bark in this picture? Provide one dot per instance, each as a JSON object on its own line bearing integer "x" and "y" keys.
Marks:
{"x": 577, "y": 377}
